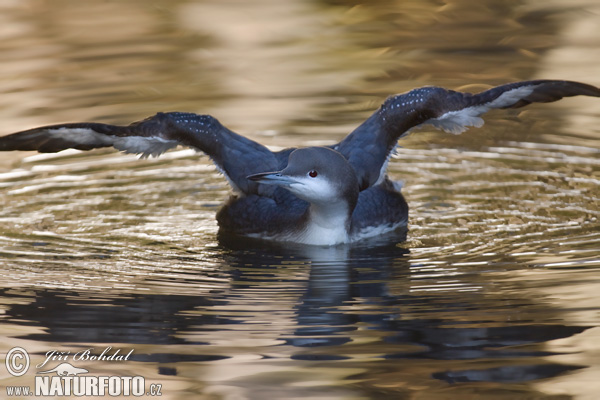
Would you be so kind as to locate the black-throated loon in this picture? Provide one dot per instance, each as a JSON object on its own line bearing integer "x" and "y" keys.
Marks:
{"x": 316, "y": 195}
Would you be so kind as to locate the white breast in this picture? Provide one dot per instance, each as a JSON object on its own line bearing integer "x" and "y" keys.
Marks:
{"x": 318, "y": 235}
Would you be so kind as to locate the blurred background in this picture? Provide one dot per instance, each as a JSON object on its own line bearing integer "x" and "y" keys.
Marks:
{"x": 291, "y": 67}
{"x": 494, "y": 294}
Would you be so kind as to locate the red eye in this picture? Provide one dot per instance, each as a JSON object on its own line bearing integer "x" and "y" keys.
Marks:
{"x": 313, "y": 174}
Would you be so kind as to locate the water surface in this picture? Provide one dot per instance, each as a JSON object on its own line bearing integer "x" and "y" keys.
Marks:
{"x": 493, "y": 294}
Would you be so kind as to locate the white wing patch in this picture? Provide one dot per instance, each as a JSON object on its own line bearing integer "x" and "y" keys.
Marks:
{"x": 511, "y": 97}
{"x": 80, "y": 136}
{"x": 146, "y": 146}
{"x": 456, "y": 122}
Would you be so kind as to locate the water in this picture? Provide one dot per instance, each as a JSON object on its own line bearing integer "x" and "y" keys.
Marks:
{"x": 493, "y": 295}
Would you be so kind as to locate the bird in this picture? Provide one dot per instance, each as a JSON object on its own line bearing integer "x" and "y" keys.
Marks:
{"x": 323, "y": 195}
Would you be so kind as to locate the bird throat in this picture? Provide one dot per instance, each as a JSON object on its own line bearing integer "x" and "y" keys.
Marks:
{"x": 327, "y": 224}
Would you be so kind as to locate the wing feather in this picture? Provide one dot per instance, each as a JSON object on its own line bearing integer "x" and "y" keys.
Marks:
{"x": 369, "y": 146}
{"x": 234, "y": 155}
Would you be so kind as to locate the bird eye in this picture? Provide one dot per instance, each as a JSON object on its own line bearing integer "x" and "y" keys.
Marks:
{"x": 313, "y": 174}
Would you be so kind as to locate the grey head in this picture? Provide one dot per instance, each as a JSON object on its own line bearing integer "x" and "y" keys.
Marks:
{"x": 319, "y": 175}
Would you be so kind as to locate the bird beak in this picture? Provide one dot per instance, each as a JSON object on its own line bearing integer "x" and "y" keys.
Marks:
{"x": 272, "y": 178}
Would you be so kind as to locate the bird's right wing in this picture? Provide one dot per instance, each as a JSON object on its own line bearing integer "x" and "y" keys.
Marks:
{"x": 234, "y": 155}
{"x": 369, "y": 146}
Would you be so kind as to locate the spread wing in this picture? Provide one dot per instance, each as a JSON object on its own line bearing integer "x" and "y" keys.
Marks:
{"x": 369, "y": 146}
{"x": 236, "y": 156}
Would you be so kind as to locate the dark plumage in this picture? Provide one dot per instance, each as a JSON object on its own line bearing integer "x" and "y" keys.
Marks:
{"x": 270, "y": 207}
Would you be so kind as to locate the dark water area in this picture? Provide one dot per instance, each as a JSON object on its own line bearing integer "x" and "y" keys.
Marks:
{"x": 492, "y": 293}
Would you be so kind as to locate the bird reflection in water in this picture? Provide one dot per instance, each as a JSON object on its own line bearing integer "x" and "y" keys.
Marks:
{"x": 342, "y": 306}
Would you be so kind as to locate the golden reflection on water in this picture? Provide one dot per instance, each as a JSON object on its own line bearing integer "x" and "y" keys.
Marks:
{"x": 504, "y": 220}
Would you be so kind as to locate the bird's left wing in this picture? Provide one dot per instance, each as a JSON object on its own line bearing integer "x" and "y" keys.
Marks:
{"x": 236, "y": 156}
{"x": 369, "y": 146}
